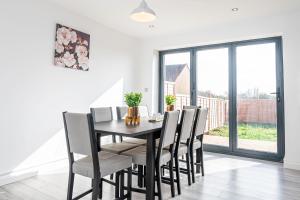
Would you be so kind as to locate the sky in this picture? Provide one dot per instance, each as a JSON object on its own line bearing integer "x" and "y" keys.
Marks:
{"x": 256, "y": 68}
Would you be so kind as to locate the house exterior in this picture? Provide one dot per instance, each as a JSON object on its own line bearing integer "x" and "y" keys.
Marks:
{"x": 179, "y": 75}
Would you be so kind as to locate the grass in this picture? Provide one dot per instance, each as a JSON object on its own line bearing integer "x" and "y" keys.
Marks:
{"x": 249, "y": 131}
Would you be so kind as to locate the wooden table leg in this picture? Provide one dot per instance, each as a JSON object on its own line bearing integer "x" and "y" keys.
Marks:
{"x": 150, "y": 160}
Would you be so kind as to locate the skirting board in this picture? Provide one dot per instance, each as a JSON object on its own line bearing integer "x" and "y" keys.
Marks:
{"x": 15, "y": 176}
{"x": 7, "y": 179}
{"x": 295, "y": 166}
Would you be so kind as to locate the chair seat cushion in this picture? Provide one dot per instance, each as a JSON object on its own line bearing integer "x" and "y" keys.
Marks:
{"x": 135, "y": 141}
{"x": 109, "y": 164}
{"x": 197, "y": 144}
{"x": 118, "y": 148}
{"x": 138, "y": 155}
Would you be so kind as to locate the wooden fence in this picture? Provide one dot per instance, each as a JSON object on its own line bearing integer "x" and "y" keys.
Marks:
{"x": 217, "y": 109}
{"x": 248, "y": 110}
{"x": 261, "y": 111}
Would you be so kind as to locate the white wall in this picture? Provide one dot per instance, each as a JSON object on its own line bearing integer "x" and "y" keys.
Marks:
{"x": 288, "y": 26}
{"x": 34, "y": 92}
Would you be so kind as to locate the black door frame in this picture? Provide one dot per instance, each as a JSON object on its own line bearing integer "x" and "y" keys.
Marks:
{"x": 232, "y": 149}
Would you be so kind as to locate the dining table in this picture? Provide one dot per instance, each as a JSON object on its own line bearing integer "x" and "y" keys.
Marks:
{"x": 145, "y": 130}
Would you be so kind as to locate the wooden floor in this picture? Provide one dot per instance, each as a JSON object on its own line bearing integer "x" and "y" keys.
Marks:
{"x": 231, "y": 178}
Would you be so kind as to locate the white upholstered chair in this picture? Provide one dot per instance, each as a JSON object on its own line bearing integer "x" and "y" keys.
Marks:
{"x": 164, "y": 151}
{"x": 96, "y": 165}
{"x": 103, "y": 114}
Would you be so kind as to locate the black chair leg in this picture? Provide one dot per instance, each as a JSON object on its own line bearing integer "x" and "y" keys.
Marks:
{"x": 98, "y": 141}
{"x": 192, "y": 165}
{"x": 145, "y": 171}
{"x": 129, "y": 183}
{"x": 177, "y": 174}
{"x": 188, "y": 164}
{"x": 70, "y": 185}
{"x": 172, "y": 178}
{"x": 158, "y": 176}
{"x": 95, "y": 192}
{"x": 114, "y": 140}
{"x": 140, "y": 176}
{"x": 100, "y": 189}
{"x": 117, "y": 187}
{"x": 122, "y": 185}
{"x": 198, "y": 160}
{"x": 202, "y": 163}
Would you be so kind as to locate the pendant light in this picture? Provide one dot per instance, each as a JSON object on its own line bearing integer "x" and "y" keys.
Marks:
{"x": 143, "y": 13}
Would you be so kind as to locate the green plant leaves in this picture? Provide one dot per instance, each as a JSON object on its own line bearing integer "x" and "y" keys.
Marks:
{"x": 133, "y": 99}
{"x": 170, "y": 99}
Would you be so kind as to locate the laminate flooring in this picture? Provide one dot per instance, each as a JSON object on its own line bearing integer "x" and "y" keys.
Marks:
{"x": 226, "y": 178}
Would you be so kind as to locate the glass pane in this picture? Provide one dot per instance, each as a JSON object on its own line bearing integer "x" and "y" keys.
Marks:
{"x": 256, "y": 98}
{"x": 177, "y": 78}
{"x": 212, "y": 84}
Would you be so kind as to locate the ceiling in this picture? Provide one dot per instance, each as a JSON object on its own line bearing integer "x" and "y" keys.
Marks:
{"x": 175, "y": 16}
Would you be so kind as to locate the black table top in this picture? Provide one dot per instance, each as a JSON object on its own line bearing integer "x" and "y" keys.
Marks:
{"x": 120, "y": 128}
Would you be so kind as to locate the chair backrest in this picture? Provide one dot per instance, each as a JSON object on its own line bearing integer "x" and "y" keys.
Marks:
{"x": 191, "y": 107}
{"x": 169, "y": 129}
{"x": 187, "y": 124}
{"x": 102, "y": 114}
{"x": 121, "y": 112}
{"x": 200, "y": 122}
{"x": 143, "y": 110}
{"x": 79, "y": 133}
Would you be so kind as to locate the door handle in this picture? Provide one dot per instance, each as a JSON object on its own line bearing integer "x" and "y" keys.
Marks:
{"x": 277, "y": 94}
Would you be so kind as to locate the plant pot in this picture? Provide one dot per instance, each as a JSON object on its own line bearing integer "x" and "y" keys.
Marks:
{"x": 133, "y": 116}
{"x": 170, "y": 107}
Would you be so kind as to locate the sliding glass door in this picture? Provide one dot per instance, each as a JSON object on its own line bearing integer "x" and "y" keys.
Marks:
{"x": 256, "y": 97}
{"x": 212, "y": 93}
{"x": 241, "y": 83}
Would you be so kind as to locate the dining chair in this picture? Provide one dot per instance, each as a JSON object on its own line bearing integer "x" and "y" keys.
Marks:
{"x": 80, "y": 138}
{"x": 191, "y": 107}
{"x": 183, "y": 142}
{"x": 121, "y": 114}
{"x": 162, "y": 155}
{"x": 103, "y": 114}
{"x": 197, "y": 141}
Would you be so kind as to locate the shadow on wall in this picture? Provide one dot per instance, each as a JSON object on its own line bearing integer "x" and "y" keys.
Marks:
{"x": 54, "y": 149}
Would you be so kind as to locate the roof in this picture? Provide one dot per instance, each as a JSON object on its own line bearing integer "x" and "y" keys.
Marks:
{"x": 173, "y": 71}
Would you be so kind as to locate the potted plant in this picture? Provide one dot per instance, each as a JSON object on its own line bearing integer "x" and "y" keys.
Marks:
{"x": 133, "y": 100}
{"x": 170, "y": 101}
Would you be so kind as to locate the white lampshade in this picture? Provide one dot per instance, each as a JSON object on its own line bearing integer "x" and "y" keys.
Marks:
{"x": 143, "y": 13}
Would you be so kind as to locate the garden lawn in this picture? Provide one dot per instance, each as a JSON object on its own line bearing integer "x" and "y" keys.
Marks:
{"x": 249, "y": 131}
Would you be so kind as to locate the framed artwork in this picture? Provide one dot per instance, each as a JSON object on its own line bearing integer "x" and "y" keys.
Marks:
{"x": 71, "y": 48}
